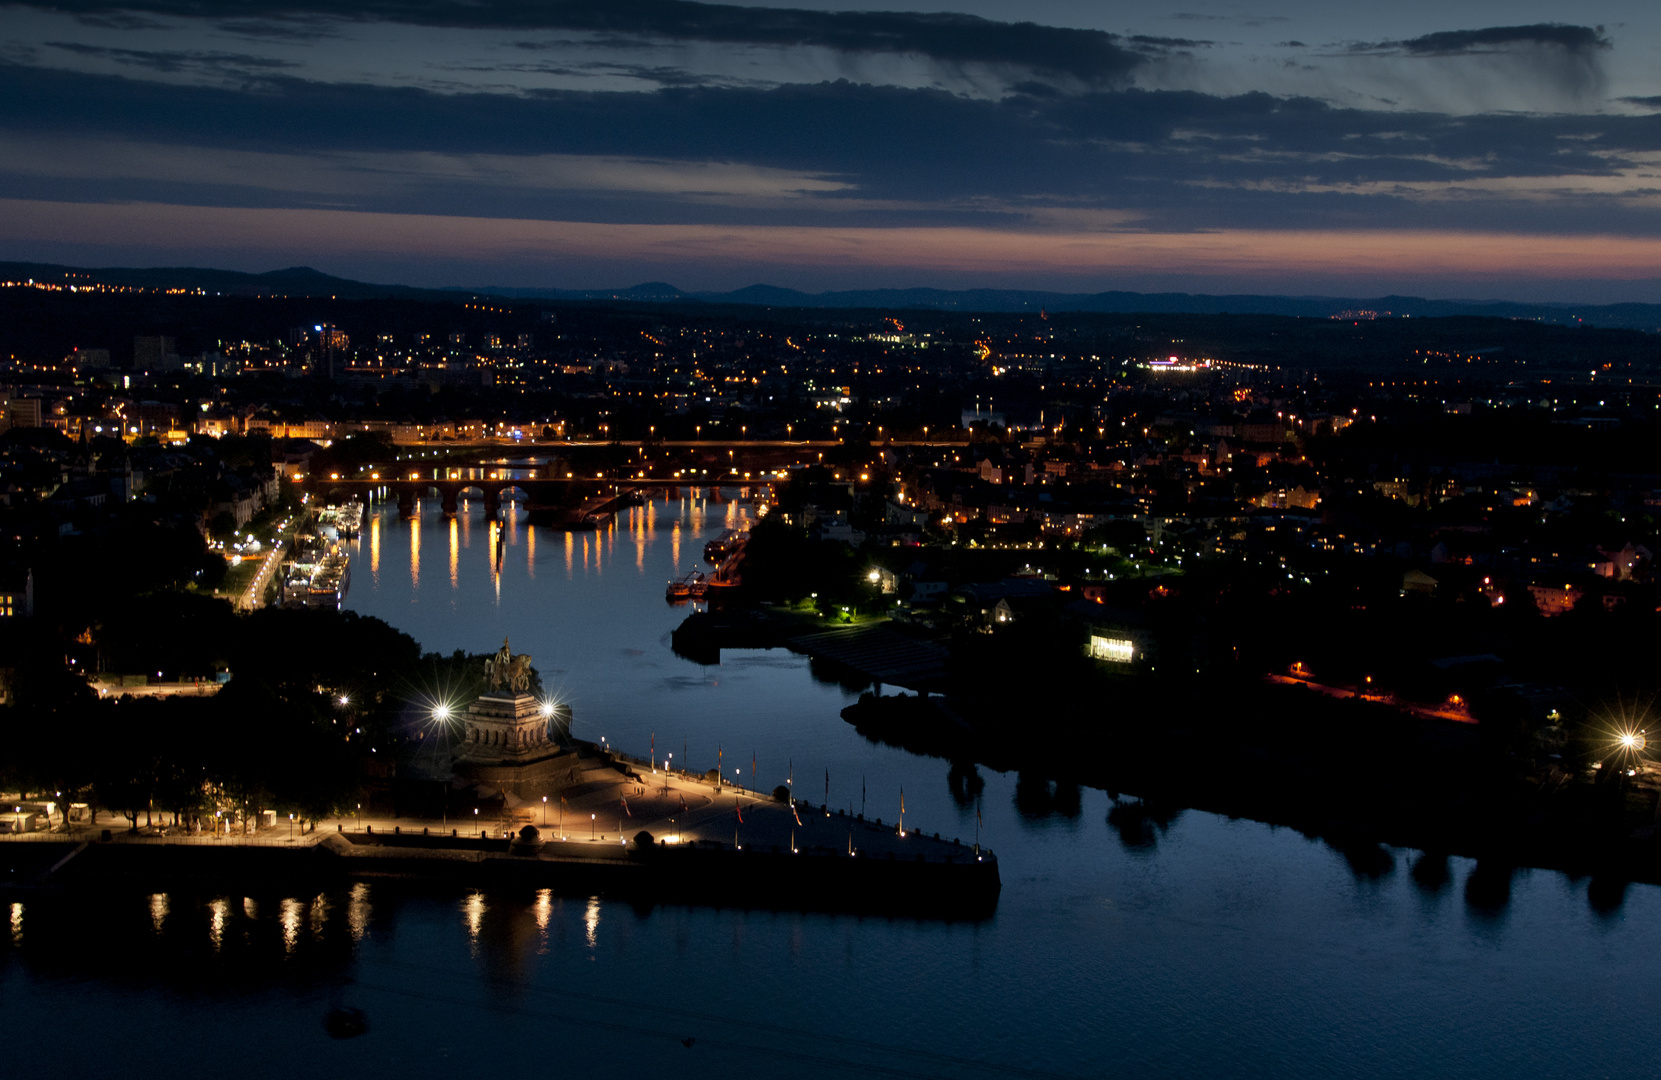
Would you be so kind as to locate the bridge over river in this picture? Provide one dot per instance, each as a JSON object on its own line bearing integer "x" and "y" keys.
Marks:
{"x": 561, "y": 501}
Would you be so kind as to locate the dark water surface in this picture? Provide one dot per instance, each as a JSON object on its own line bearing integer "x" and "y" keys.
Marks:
{"x": 1193, "y": 946}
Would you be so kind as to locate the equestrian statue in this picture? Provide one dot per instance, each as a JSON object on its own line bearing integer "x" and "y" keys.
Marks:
{"x": 505, "y": 671}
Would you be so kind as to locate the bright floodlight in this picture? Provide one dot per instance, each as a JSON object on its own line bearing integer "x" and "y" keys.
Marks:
{"x": 441, "y": 712}
{"x": 344, "y": 700}
{"x": 547, "y": 708}
{"x": 1629, "y": 741}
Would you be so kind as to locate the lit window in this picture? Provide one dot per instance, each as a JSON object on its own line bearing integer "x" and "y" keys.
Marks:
{"x": 1118, "y": 650}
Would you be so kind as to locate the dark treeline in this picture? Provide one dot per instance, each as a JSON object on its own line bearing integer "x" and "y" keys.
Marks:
{"x": 317, "y": 707}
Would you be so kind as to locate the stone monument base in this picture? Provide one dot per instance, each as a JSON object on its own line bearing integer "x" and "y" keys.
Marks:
{"x": 506, "y": 730}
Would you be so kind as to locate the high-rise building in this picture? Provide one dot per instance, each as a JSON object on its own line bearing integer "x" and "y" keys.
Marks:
{"x": 153, "y": 353}
{"x": 20, "y": 412}
{"x": 331, "y": 346}
{"x": 88, "y": 359}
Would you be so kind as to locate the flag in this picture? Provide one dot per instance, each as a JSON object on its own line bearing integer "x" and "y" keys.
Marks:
{"x": 797, "y": 816}
{"x": 626, "y": 809}
{"x": 902, "y": 800}
{"x": 741, "y": 813}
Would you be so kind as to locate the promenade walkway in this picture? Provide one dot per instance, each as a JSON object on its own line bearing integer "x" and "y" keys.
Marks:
{"x": 599, "y": 805}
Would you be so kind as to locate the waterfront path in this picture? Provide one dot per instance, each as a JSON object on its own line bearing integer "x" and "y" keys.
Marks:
{"x": 586, "y": 817}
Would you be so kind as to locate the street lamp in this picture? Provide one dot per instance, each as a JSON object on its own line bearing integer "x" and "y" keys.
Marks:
{"x": 544, "y": 811}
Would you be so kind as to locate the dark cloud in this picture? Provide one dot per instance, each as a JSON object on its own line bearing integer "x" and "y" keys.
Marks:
{"x": 1644, "y": 102}
{"x": 174, "y": 61}
{"x": 1567, "y": 60}
{"x": 120, "y": 20}
{"x": 1573, "y": 39}
{"x": 1178, "y": 159}
{"x": 1163, "y": 43}
{"x": 1090, "y": 55}
{"x": 291, "y": 29}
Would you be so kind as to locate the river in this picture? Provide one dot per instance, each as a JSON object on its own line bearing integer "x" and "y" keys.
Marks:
{"x": 1200, "y": 947}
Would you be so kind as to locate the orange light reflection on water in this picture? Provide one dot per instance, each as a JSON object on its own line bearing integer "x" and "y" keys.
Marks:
{"x": 455, "y": 554}
{"x": 415, "y": 550}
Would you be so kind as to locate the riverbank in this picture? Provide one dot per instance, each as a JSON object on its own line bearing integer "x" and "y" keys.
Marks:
{"x": 1358, "y": 775}
{"x": 959, "y": 885}
{"x": 618, "y": 827}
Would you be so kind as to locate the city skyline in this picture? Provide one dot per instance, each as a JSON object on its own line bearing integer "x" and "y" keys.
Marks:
{"x": 1501, "y": 152}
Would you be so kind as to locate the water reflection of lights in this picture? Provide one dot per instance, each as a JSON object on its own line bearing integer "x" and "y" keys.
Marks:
{"x": 17, "y": 923}
{"x": 415, "y": 550}
{"x": 216, "y": 922}
{"x": 455, "y": 554}
{"x": 357, "y": 911}
{"x": 591, "y": 921}
{"x": 289, "y": 917}
{"x": 158, "y": 910}
{"x": 544, "y": 912}
{"x": 474, "y": 908}
{"x": 495, "y": 545}
{"x": 319, "y": 915}
{"x": 250, "y": 907}
{"x": 570, "y": 551}
{"x": 530, "y": 548}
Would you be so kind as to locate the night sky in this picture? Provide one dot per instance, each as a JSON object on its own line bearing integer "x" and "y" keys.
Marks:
{"x": 1457, "y": 150}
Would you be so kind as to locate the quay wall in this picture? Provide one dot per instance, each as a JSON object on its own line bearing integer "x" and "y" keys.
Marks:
{"x": 689, "y": 874}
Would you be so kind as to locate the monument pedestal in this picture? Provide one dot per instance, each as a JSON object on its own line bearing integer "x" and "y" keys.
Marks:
{"x": 505, "y": 729}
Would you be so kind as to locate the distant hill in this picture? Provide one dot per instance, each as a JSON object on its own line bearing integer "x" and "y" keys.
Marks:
{"x": 1630, "y": 316}
{"x": 304, "y": 281}
{"x": 293, "y": 281}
